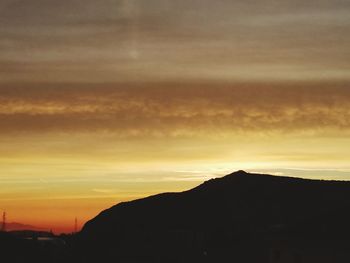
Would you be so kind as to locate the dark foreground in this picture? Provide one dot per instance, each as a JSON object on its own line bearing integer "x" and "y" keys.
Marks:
{"x": 238, "y": 218}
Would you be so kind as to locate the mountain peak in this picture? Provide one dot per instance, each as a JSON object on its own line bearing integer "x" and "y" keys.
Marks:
{"x": 240, "y": 172}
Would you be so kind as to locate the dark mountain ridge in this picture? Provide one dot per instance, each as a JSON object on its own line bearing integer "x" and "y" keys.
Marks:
{"x": 231, "y": 213}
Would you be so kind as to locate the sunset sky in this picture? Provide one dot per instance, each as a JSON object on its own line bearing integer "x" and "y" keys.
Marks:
{"x": 111, "y": 100}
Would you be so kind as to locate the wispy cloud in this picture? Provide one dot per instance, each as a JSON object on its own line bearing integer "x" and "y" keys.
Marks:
{"x": 104, "y": 191}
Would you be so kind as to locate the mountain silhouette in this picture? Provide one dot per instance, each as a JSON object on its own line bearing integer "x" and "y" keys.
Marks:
{"x": 14, "y": 226}
{"x": 240, "y": 217}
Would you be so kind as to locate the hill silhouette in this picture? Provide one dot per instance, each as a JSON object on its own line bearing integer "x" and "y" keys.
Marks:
{"x": 241, "y": 217}
{"x": 15, "y": 226}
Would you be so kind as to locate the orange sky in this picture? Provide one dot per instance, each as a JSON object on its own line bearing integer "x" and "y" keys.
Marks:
{"x": 102, "y": 102}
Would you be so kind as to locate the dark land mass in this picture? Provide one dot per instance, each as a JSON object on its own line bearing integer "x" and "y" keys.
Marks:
{"x": 31, "y": 246}
{"x": 240, "y": 218}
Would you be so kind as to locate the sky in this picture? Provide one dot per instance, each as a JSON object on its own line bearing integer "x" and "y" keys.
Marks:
{"x": 111, "y": 100}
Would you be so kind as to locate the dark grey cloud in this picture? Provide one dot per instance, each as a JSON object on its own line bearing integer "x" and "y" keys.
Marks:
{"x": 136, "y": 40}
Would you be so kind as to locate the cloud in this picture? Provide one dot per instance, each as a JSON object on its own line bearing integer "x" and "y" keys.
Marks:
{"x": 124, "y": 40}
{"x": 176, "y": 109}
{"x": 104, "y": 191}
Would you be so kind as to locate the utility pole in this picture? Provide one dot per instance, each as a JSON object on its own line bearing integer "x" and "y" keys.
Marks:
{"x": 3, "y": 228}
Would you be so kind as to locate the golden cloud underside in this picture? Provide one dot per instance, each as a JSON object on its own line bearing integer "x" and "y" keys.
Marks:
{"x": 175, "y": 109}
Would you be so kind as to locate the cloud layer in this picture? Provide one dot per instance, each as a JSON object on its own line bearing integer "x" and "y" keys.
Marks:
{"x": 176, "y": 109}
{"x": 158, "y": 40}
